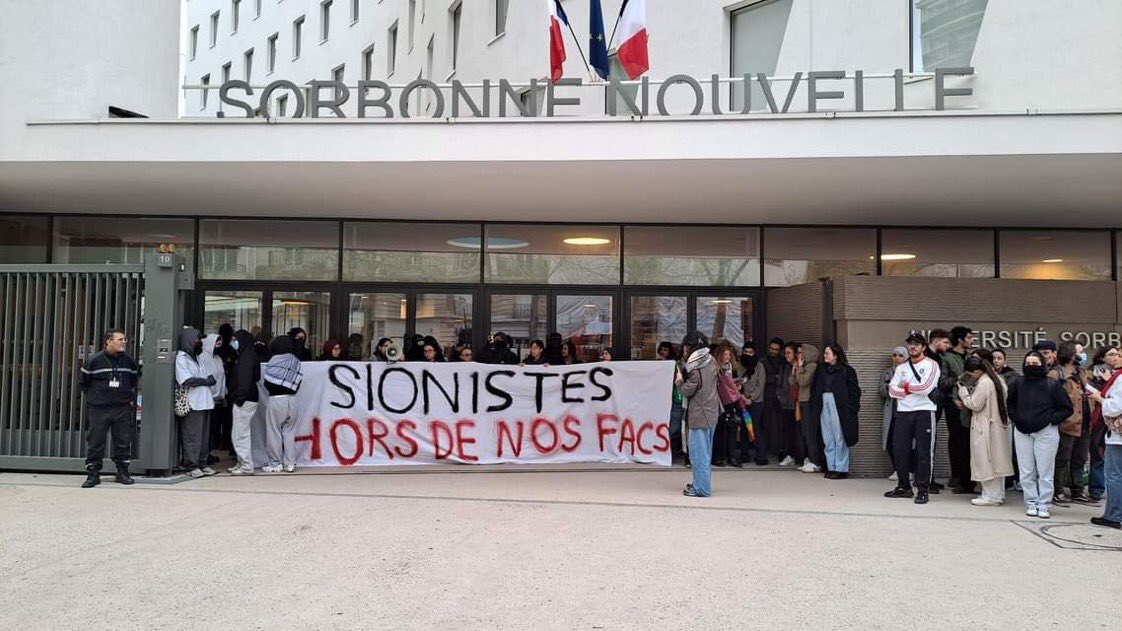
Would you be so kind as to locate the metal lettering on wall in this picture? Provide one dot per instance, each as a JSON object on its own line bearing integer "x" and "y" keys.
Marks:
{"x": 375, "y": 98}
{"x": 1005, "y": 338}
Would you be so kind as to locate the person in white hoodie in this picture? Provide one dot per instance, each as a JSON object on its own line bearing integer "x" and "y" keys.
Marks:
{"x": 1109, "y": 399}
{"x": 193, "y": 374}
{"x": 211, "y": 360}
{"x": 911, "y": 385}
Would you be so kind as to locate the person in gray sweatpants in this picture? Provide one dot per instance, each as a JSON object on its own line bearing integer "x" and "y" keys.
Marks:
{"x": 282, "y": 377}
{"x": 195, "y": 427}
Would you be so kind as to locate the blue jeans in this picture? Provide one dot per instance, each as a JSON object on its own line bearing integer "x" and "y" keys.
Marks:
{"x": 1097, "y": 481}
{"x": 1112, "y": 467}
{"x": 837, "y": 452}
{"x": 1036, "y": 454}
{"x": 701, "y": 450}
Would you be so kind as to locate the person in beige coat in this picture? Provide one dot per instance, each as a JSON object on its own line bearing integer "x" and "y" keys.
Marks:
{"x": 991, "y": 458}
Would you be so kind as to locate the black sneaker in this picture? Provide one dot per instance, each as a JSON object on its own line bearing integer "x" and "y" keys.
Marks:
{"x": 1103, "y": 521}
{"x": 921, "y": 497}
{"x": 936, "y": 487}
{"x": 900, "y": 491}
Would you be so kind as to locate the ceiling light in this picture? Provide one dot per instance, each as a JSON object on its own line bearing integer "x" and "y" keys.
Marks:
{"x": 587, "y": 241}
{"x": 493, "y": 243}
{"x": 590, "y": 306}
{"x": 896, "y": 257}
{"x": 295, "y": 303}
{"x": 720, "y": 301}
{"x": 1052, "y": 261}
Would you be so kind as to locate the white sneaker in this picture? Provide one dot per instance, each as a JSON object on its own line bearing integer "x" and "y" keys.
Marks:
{"x": 893, "y": 477}
{"x": 985, "y": 501}
{"x": 786, "y": 462}
{"x": 810, "y": 467}
{"x": 1043, "y": 513}
{"x": 1017, "y": 487}
{"x": 272, "y": 468}
{"x": 1031, "y": 511}
{"x": 290, "y": 468}
{"x": 209, "y": 471}
{"x": 241, "y": 470}
{"x": 196, "y": 473}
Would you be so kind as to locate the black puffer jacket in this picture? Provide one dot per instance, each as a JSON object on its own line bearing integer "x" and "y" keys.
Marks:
{"x": 246, "y": 372}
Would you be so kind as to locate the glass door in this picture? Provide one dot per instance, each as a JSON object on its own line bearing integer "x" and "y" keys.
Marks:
{"x": 724, "y": 317}
{"x": 399, "y": 313}
{"x": 239, "y": 309}
{"x": 655, "y": 319}
{"x": 522, "y": 317}
{"x": 373, "y": 316}
{"x": 447, "y": 317}
{"x": 308, "y": 310}
{"x": 587, "y": 321}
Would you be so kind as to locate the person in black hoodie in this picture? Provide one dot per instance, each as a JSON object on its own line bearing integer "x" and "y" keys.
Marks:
{"x": 499, "y": 351}
{"x": 835, "y": 399}
{"x": 771, "y": 426}
{"x": 300, "y": 344}
{"x": 243, "y": 400}
{"x": 1037, "y": 405}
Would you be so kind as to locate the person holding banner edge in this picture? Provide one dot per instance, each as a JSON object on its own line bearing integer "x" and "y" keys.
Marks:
{"x": 703, "y": 408}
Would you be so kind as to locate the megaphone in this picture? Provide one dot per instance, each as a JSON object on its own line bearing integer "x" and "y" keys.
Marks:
{"x": 393, "y": 354}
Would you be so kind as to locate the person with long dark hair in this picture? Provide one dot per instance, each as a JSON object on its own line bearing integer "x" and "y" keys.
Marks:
{"x": 1037, "y": 405}
{"x": 835, "y": 400}
{"x": 1109, "y": 400}
{"x": 991, "y": 457}
{"x": 536, "y": 356}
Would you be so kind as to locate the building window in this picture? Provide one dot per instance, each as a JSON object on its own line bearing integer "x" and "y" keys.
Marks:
{"x": 457, "y": 13}
{"x": 944, "y": 32}
{"x": 757, "y": 33}
{"x": 794, "y": 256}
{"x": 391, "y": 53}
{"x": 206, "y": 91}
{"x": 1055, "y": 254}
{"x": 235, "y": 15}
{"x": 410, "y": 252}
{"x": 942, "y": 253}
{"x": 501, "y": 9}
{"x": 282, "y": 106}
{"x": 248, "y": 65}
{"x": 325, "y": 20}
{"x": 354, "y": 10}
{"x": 368, "y": 63}
{"x": 194, "y": 41}
{"x": 297, "y": 36}
{"x": 23, "y": 239}
{"x": 268, "y": 250}
{"x": 698, "y": 256}
{"x": 412, "y": 21}
{"x": 226, "y": 71}
{"x": 214, "y": 28}
{"x": 97, "y": 241}
{"x": 529, "y": 253}
{"x": 272, "y": 52}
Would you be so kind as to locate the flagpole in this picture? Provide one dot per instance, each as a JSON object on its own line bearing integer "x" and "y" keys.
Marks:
{"x": 616, "y": 25}
{"x": 579, "y": 50}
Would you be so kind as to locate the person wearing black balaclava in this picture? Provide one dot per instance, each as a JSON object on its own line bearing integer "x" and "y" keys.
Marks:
{"x": 499, "y": 351}
{"x": 415, "y": 348}
{"x": 773, "y": 430}
{"x": 300, "y": 344}
{"x": 1037, "y": 405}
{"x": 553, "y": 352}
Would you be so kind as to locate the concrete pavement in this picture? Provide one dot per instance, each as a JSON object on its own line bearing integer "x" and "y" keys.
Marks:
{"x": 541, "y": 550}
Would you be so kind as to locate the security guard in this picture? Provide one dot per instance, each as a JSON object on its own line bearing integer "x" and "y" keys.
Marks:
{"x": 109, "y": 383}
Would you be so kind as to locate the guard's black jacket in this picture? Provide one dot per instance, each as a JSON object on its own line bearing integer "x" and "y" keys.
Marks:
{"x": 101, "y": 368}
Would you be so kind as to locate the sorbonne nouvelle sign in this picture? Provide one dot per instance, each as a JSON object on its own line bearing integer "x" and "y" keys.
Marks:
{"x": 379, "y": 99}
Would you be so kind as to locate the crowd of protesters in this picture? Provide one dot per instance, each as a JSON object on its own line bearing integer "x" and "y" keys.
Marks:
{"x": 1034, "y": 431}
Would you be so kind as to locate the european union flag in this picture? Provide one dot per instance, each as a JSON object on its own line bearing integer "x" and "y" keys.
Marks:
{"x": 598, "y": 42}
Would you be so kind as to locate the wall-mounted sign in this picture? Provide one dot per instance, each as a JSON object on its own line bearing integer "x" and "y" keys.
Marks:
{"x": 1026, "y": 338}
{"x": 378, "y": 99}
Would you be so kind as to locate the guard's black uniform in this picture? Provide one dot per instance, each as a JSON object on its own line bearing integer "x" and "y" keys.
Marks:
{"x": 109, "y": 383}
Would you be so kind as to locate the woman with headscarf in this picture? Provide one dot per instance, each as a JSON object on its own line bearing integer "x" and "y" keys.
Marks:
{"x": 300, "y": 344}
{"x": 835, "y": 401}
{"x": 991, "y": 459}
{"x": 899, "y": 356}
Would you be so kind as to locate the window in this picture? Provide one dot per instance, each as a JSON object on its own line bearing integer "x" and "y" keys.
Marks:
{"x": 101, "y": 240}
{"x": 656, "y": 318}
{"x": 206, "y": 92}
{"x": 214, "y": 28}
{"x": 412, "y": 21}
{"x": 368, "y": 63}
{"x": 586, "y": 321}
{"x": 354, "y": 10}
{"x": 391, "y": 53}
{"x": 226, "y": 71}
{"x": 725, "y": 318}
{"x": 700, "y": 256}
{"x": 411, "y": 252}
{"x": 552, "y": 254}
{"x": 944, "y": 32}
{"x": 268, "y": 250}
{"x": 945, "y": 253}
{"x": 501, "y": 9}
{"x": 282, "y": 105}
{"x": 1055, "y": 254}
{"x": 235, "y": 15}
{"x": 757, "y": 33}
{"x": 248, "y": 65}
{"x": 23, "y": 239}
{"x": 457, "y": 12}
{"x": 194, "y": 41}
{"x": 272, "y": 52}
{"x": 372, "y": 316}
{"x": 297, "y": 36}
{"x": 325, "y": 20}
{"x": 794, "y": 256}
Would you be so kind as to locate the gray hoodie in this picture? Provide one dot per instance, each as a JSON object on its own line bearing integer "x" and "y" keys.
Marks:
{"x": 700, "y": 390}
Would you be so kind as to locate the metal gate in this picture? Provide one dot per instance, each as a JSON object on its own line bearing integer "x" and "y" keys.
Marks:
{"x": 51, "y": 319}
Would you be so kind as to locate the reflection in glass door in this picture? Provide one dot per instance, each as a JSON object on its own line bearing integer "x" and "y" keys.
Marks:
{"x": 370, "y": 317}
{"x": 309, "y": 310}
{"x": 586, "y": 321}
{"x": 523, "y": 317}
{"x": 656, "y": 319}
{"x": 239, "y": 309}
{"x": 726, "y": 318}
{"x": 447, "y": 317}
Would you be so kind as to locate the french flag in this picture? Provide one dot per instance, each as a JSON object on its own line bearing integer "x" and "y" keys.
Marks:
{"x": 632, "y": 35}
{"x": 556, "y": 40}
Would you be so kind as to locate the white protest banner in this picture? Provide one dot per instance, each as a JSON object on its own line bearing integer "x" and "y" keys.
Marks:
{"x": 362, "y": 413}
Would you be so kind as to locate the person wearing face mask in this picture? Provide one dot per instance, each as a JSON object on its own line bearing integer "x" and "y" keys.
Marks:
{"x": 1108, "y": 399}
{"x": 300, "y": 344}
{"x": 1075, "y": 432}
{"x": 1037, "y": 405}
{"x": 193, "y": 374}
{"x": 888, "y": 416}
{"x": 243, "y": 400}
{"x": 754, "y": 386}
{"x": 499, "y": 351}
{"x": 773, "y": 429}
{"x": 990, "y": 429}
